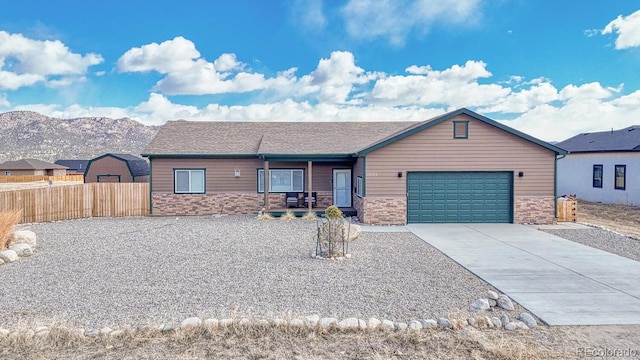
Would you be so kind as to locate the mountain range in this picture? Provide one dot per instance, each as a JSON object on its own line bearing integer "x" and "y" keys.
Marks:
{"x": 30, "y": 135}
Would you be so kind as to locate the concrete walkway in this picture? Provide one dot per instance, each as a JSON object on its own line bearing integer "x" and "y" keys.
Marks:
{"x": 560, "y": 281}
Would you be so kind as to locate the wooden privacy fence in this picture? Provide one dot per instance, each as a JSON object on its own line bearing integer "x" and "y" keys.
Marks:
{"x": 568, "y": 209}
{"x": 32, "y": 178}
{"x": 78, "y": 201}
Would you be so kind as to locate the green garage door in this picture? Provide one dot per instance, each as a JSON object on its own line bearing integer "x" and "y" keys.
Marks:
{"x": 459, "y": 197}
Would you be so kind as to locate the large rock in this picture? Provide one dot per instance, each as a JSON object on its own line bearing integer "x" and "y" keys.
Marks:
{"x": 22, "y": 249}
{"x": 387, "y": 325}
{"x": 351, "y": 233}
{"x": 312, "y": 320}
{"x": 349, "y": 323}
{"x": 429, "y": 323}
{"x": 415, "y": 325}
{"x": 481, "y": 304}
{"x": 190, "y": 322}
{"x": 492, "y": 295}
{"x": 23, "y": 237}
{"x": 529, "y": 320}
{"x": 505, "y": 303}
{"x": 8, "y": 256}
{"x": 373, "y": 323}
{"x": 444, "y": 323}
{"x": 327, "y": 322}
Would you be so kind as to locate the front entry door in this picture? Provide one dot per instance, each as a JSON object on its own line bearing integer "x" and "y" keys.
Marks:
{"x": 342, "y": 187}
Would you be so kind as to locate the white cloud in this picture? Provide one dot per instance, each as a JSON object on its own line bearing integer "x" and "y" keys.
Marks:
{"x": 334, "y": 78}
{"x": 394, "y": 20}
{"x": 26, "y": 62}
{"x": 627, "y": 28}
{"x": 187, "y": 73}
{"x": 456, "y": 86}
{"x": 309, "y": 13}
{"x": 3, "y": 101}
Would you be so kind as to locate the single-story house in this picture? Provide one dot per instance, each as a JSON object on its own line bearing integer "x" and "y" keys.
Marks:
{"x": 602, "y": 166}
{"x": 31, "y": 167}
{"x": 457, "y": 167}
{"x": 117, "y": 168}
{"x": 74, "y": 166}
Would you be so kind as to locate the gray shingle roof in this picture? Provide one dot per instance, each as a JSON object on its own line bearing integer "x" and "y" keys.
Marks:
{"x": 79, "y": 165}
{"x": 186, "y": 138}
{"x": 29, "y": 164}
{"x": 273, "y": 138}
{"x": 627, "y": 139}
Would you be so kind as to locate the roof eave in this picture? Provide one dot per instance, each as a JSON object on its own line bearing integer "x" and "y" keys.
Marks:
{"x": 199, "y": 156}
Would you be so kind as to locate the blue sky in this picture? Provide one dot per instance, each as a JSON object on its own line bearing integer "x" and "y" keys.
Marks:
{"x": 548, "y": 68}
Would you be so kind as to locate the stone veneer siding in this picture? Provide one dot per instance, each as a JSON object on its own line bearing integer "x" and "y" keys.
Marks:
{"x": 206, "y": 204}
{"x": 534, "y": 209}
{"x": 384, "y": 211}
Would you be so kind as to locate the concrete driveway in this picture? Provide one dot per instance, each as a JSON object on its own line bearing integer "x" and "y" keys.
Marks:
{"x": 562, "y": 282}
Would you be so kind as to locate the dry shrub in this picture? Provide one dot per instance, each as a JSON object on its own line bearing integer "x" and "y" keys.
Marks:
{"x": 310, "y": 215}
{"x": 265, "y": 216}
{"x": 289, "y": 215}
{"x": 283, "y": 342}
{"x": 8, "y": 220}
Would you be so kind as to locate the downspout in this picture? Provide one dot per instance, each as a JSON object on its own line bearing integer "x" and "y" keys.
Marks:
{"x": 555, "y": 183}
{"x": 150, "y": 185}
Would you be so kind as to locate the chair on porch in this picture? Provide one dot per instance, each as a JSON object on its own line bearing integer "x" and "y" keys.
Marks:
{"x": 292, "y": 199}
{"x": 314, "y": 199}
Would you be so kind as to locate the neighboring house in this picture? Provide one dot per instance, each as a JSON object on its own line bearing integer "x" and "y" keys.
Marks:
{"x": 74, "y": 166}
{"x": 31, "y": 167}
{"x": 457, "y": 167}
{"x": 602, "y": 166}
{"x": 117, "y": 168}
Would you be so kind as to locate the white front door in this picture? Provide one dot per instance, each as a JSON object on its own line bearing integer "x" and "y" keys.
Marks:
{"x": 342, "y": 187}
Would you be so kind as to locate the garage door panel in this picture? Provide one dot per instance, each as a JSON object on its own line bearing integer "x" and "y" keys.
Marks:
{"x": 460, "y": 196}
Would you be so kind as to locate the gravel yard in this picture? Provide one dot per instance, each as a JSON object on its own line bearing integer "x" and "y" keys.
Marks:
{"x": 128, "y": 271}
{"x": 604, "y": 240}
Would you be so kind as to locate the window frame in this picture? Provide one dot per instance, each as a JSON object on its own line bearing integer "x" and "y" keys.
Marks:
{"x": 624, "y": 177}
{"x": 190, "y": 171}
{"x": 7, "y": 173}
{"x": 466, "y": 129}
{"x": 359, "y": 186}
{"x": 593, "y": 175}
{"x": 260, "y": 176}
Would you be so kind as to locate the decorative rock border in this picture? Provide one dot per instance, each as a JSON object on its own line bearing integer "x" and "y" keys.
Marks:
{"x": 22, "y": 244}
{"x": 525, "y": 321}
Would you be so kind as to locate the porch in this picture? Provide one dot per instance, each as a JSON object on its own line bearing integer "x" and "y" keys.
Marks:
{"x": 319, "y": 211}
{"x": 302, "y": 185}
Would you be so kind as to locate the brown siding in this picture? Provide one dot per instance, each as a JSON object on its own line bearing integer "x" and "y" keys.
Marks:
{"x": 108, "y": 166}
{"x": 486, "y": 149}
{"x": 18, "y": 172}
{"x": 220, "y": 173}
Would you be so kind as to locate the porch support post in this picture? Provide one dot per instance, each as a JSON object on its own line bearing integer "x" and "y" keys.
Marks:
{"x": 266, "y": 185}
{"x": 310, "y": 183}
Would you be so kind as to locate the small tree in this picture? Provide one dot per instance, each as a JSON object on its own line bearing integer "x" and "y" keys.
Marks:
{"x": 330, "y": 239}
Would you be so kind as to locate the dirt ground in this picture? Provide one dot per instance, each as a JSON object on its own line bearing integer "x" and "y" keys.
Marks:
{"x": 561, "y": 342}
{"x": 35, "y": 185}
{"x": 623, "y": 219}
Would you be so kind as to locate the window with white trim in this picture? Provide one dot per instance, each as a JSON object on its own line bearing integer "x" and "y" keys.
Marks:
{"x": 189, "y": 181}
{"x": 282, "y": 180}
{"x": 359, "y": 186}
